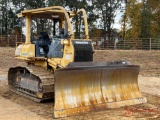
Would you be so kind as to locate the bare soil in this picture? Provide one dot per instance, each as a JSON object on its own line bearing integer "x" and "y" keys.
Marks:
{"x": 149, "y": 82}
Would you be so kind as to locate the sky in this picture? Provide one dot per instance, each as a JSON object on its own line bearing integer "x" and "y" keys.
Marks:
{"x": 118, "y": 17}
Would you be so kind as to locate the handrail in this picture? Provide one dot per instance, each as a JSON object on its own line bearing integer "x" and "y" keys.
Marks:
{"x": 85, "y": 22}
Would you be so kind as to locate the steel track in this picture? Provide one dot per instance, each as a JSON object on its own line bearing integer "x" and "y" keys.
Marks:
{"x": 32, "y": 74}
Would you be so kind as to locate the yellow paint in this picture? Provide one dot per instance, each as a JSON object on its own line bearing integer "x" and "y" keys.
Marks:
{"x": 41, "y": 63}
{"x": 85, "y": 22}
{"x": 68, "y": 55}
{"x": 28, "y": 29}
{"x": 68, "y": 50}
{"x": 28, "y": 50}
{"x": 39, "y": 95}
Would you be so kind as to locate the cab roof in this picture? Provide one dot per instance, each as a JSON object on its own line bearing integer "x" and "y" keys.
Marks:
{"x": 48, "y": 12}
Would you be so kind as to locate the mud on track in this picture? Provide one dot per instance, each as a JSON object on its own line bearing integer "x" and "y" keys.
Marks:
{"x": 150, "y": 68}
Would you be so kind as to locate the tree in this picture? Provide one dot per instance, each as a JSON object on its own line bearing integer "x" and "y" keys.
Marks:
{"x": 2, "y": 11}
{"x": 145, "y": 20}
{"x": 135, "y": 19}
{"x": 4, "y": 20}
{"x": 74, "y": 6}
{"x": 154, "y": 6}
{"x": 106, "y": 10}
{"x": 132, "y": 19}
{"x": 142, "y": 18}
{"x": 56, "y": 3}
{"x": 124, "y": 19}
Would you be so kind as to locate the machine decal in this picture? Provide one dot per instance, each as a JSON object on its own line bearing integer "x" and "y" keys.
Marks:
{"x": 24, "y": 54}
{"x": 68, "y": 56}
{"x": 31, "y": 53}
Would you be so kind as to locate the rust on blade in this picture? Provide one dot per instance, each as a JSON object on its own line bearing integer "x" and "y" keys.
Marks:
{"x": 88, "y": 88}
{"x": 97, "y": 107}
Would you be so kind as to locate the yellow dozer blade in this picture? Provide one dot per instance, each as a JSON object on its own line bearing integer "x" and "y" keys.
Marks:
{"x": 81, "y": 88}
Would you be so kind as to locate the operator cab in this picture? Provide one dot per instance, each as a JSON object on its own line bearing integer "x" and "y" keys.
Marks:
{"x": 54, "y": 29}
{"x": 48, "y": 43}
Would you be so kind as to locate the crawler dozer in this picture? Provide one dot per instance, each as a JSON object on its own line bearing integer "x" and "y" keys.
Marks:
{"x": 61, "y": 68}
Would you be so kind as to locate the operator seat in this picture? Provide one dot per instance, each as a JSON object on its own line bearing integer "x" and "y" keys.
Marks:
{"x": 42, "y": 44}
{"x": 45, "y": 41}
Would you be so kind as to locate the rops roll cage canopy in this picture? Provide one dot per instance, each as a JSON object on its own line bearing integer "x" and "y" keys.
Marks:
{"x": 57, "y": 12}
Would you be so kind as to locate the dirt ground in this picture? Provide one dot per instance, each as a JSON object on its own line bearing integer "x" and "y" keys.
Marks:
{"x": 149, "y": 83}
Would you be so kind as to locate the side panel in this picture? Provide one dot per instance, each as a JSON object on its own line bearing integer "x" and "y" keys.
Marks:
{"x": 28, "y": 50}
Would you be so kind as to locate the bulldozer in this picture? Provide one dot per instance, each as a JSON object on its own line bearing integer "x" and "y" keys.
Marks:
{"x": 61, "y": 68}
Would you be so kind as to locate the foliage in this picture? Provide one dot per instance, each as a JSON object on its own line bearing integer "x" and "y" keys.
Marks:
{"x": 142, "y": 19}
{"x": 96, "y": 32}
{"x": 155, "y": 15}
{"x": 134, "y": 15}
{"x": 106, "y": 10}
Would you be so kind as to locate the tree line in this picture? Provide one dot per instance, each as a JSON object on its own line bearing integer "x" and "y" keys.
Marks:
{"x": 139, "y": 19}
